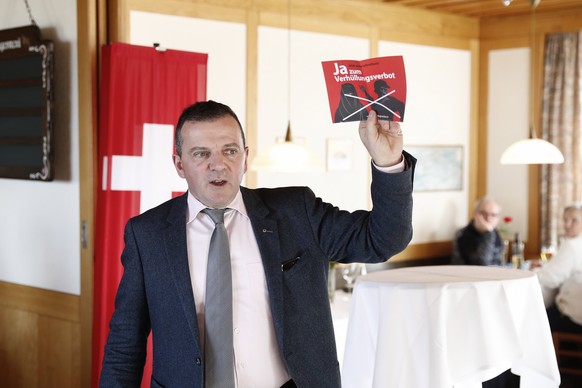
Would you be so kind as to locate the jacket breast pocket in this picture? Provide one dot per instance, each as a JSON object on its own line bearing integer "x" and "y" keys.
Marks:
{"x": 288, "y": 265}
{"x": 304, "y": 268}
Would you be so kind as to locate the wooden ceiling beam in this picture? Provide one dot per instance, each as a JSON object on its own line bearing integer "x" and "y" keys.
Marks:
{"x": 487, "y": 8}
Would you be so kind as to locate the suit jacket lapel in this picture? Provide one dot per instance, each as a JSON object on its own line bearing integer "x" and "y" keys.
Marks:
{"x": 177, "y": 256}
{"x": 267, "y": 234}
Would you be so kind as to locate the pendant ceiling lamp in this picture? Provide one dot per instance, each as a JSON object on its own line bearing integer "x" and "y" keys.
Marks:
{"x": 533, "y": 150}
{"x": 287, "y": 155}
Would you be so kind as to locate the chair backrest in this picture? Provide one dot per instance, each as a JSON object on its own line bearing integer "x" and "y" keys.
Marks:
{"x": 568, "y": 352}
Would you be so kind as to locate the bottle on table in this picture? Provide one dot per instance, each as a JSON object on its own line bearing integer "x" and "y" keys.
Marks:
{"x": 517, "y": 259}
{"x": 505, "y": 253}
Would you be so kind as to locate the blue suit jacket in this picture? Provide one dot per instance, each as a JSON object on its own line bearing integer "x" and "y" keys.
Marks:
{"x": 155, "y": 292}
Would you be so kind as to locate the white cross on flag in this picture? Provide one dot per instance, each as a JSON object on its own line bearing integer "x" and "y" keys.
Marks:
{"x": 142, "y": 93}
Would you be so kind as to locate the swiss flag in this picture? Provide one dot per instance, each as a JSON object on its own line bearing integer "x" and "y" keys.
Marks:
{"x": 143, "y": 92}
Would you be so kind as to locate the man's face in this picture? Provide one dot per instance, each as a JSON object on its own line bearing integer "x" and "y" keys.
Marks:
{"x": 489, "y": 210}
{"x": 572, "y": 222}
{"x": 213, "y": 160}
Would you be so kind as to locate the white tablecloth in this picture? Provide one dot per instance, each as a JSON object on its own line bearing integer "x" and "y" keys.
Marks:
{"x": 340, "y": 311}
{"x": 448, "y": 326}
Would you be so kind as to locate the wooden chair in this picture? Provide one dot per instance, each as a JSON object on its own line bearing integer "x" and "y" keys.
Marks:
{"x": 568, "y": 348}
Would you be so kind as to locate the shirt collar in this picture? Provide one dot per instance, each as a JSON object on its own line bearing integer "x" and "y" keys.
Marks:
{"x": 195, "y": 206}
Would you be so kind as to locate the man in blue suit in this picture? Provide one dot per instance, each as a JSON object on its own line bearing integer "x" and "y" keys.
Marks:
{"x": 281, "y": 243}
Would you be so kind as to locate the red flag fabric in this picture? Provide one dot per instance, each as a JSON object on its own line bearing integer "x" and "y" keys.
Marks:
{"x": 143, "y": 91}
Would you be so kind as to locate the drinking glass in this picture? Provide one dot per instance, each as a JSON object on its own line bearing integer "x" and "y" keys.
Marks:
{"x": 546, "y": 252}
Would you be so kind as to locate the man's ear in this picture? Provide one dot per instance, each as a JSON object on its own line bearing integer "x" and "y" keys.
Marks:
{"x": 178, "y": 165}
{"x": 246, "y": 158}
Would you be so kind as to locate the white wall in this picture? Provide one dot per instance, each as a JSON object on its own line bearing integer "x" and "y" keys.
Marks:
{"x": 39, "y": 221}
{"x": 508, "y": 117}
{"x": 437, "y": 114}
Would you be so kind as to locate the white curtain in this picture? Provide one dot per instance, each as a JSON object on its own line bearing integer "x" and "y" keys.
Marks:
{"x": 561, "y": 184}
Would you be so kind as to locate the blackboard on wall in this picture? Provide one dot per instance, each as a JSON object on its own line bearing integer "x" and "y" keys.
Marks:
{"x": 26, "y": 104}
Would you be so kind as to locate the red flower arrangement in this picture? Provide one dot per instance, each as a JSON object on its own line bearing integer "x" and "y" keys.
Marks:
{"x": 504, "y": 229}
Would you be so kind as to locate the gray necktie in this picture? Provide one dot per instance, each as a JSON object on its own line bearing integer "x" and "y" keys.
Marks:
{"x": 218, "y": 351}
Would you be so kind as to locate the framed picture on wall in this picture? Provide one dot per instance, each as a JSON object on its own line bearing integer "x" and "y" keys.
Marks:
{"x": 26, "y": 104}
{"x": 439, "y": 168}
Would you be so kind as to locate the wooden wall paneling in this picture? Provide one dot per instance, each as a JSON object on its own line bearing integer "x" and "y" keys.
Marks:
{"x": 532, "y": 249}
{"x": 325, "y": 15}
{"x": 91, "y": 33}
{"x": 424, "y": 251}
{"x": 486, "y": 8}
{"x": 482, "y": 109}
{"x": 309, "y": 23}
{"x": 18, "y": 348}
{"x": 411, "y": 21}
{"x": 118, "y": 21}
{"x": 42, "y": 302}
{"x": 477, "y": 153}
{"x": 506, "y": 28}
{"x": 59, "y": 348}
{"x": 40, "y": 338}
{"x": 228, "y": 11}
{"x": 252, "y": 94}
{"x": 428, "y": 40}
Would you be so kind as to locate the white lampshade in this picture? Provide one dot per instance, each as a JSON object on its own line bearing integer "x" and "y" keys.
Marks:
{"x": 287, "y": 156}
{"x": 532, "y": 151}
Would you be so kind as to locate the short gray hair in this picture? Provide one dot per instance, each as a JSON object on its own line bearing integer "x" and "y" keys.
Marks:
{"x": 485, "y": 198}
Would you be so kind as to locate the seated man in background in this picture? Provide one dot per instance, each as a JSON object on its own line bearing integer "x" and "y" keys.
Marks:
{"x": 479, "y": 243}
{"x": 562, "y": 276}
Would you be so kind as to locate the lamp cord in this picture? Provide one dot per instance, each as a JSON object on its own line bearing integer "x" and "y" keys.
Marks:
{"x": 534, "y": 4}
{"x": 288, "y": 134}
{"x": 32, "y": 21}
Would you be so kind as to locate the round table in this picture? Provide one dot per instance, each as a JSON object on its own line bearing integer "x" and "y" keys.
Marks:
{"x": 448, "y": 326}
